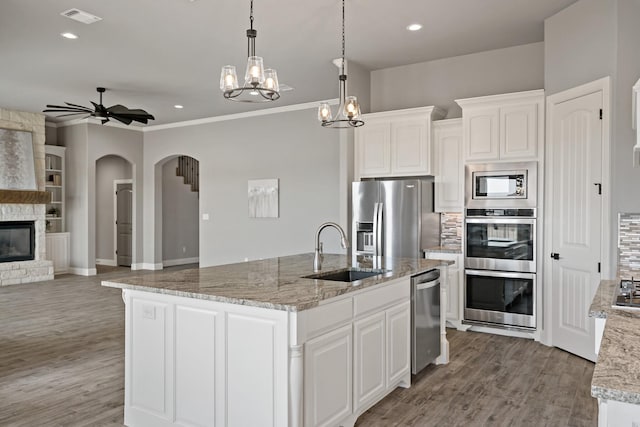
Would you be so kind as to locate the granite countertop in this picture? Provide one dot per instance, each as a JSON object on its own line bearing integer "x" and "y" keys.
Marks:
{"x": 450, "y": 249}
{"x": 616, "y": 375}
{"x": 274, "y": 283}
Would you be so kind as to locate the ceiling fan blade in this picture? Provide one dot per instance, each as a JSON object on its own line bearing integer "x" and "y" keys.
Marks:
{"x": 142, "y": 113}
{"x": 104, "y": 121}
{"x": 65, "y": 108}
{"x": 71, "y": 114}
{"x": 76, "y": 105}
{"x": 122, "y": 119}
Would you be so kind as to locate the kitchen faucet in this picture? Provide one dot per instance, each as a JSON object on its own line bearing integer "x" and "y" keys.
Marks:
{"x": 317, "y": 257}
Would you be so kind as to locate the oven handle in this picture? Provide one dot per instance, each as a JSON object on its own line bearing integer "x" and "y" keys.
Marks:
{"x": 490, "y": 220}
{"x": 505, "y": 274}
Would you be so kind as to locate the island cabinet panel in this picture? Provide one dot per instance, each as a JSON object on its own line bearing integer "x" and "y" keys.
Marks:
{"x": 192, "y": 362}
{"x": 195, "y": 365}
{"x": 328, "y": 374}
{"x": 369, "y": 378}
{"x": 398, "y": 322}
{"x": 149, "y": 357}
{"x": 256, "y": 377}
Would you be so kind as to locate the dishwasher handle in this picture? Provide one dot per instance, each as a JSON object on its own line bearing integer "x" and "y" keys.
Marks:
{"x": 427, "y": 285}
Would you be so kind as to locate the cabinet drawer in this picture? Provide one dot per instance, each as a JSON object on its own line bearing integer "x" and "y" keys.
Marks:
{"x": 383, "y": 297}
{"x": 326, "y": 317}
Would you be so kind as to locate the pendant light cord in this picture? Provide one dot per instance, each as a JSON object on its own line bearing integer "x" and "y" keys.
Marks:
{"x": 251, "y": 15}
{"x": 342, "y": 67}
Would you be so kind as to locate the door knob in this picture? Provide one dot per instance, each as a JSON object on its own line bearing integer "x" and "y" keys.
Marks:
{"x": 555, "y": 255}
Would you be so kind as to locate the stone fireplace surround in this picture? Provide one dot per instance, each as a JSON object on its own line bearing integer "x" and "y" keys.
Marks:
{"x": 27, "y": 205}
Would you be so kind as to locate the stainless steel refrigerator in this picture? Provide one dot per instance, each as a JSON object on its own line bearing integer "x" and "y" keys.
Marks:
{"x": 394, "y": 218}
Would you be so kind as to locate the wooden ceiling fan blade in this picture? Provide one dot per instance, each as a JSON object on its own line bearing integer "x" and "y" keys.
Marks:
{"x": 66, "y": 108}
{"x": 120, "y": 118}
{"x": 78, "y": 106}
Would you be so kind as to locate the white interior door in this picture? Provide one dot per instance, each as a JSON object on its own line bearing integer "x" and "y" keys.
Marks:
{"x": 574, "y": 184}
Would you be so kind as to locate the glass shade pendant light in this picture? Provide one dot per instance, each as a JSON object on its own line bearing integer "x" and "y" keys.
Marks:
{"x": 260, "y": 84}
{"x": 348, "y": 114}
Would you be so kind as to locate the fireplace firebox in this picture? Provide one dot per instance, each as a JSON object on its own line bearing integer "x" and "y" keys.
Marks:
{"x": 17, "y": 241}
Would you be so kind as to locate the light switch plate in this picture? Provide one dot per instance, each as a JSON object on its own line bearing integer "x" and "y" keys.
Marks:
{"x": 148, "y": 312}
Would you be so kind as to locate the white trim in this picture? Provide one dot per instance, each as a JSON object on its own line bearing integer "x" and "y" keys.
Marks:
{"x": 146, "y": 266}
{"x": 83, "y": 271}
{"x": 264, "y": 112}
{"x": 115, "y": 217}
{"x": 180, "y": 261}
{"x": 601, "y": 85}
{"x": 107, "y": 262}
{"x": 213, "y": 119}
{"x": 505, "y": 97}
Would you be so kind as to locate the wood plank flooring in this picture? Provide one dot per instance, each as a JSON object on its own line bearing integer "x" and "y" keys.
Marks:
{"x": 62, "y": 364}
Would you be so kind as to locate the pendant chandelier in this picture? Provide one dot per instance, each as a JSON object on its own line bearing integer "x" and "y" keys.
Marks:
{"x": 260, "y": 84}
{"x": 348, "y": 110}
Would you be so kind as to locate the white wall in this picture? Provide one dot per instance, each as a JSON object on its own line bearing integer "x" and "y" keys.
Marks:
{"x": 290, "y": 146}
{"x": 180, "y": 218}
{"x": 108, "y": 169}
{"x": 442, "y": 81}
{"x": 589, "y": 40}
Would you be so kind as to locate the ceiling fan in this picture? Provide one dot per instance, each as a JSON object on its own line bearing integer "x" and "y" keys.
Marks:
{"x": 117, "y": 112}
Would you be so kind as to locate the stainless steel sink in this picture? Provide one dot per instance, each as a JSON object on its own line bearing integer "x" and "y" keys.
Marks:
{"x": 347, "y": 274}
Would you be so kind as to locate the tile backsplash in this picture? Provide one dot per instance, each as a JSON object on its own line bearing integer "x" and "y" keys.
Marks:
{"x": 451, "y": 229}
{"x": 628, "y": 245}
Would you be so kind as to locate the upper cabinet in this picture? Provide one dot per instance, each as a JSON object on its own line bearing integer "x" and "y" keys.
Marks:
{"x": 449, "y": 165}
{"x": 395, "y": 143}
{"x": 503, "y": 127}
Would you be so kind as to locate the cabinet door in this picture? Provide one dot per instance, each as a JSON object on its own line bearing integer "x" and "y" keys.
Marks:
{"x": 410, "y": 148}
{"x": 519, "y": 132}
{"x": 327, "y": 378}
{"x": 481, "y": 134}
{"x": 373, "y": 149}
{"x": 449, "y": 168}
{"x": 453, "y": 293}
{"x": 369, "y": 360}
{"x": 398, "y": 343}
{"x": 57, "y": 249}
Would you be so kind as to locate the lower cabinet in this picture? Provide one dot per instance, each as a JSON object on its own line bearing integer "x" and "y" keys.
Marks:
{"x": 369, "y": 362}
{"x": 57, "y": 250}
{"x": 454, "y": 285}
{"x": 327, "y": 373}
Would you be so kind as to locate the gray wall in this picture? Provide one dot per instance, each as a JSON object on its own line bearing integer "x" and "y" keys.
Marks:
{"x": 442, "y": 81}
{"x": 180, "y": 219}
{"x": 290, "y": 146}
{"x": 593, "y": 39}
{"x": 86, "y": 143}
{"x": 108, "y": 169}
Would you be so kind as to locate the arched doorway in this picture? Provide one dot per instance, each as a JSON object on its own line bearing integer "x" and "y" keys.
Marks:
{"x": 180, "y": 211}
{"x": 114, "y": 211}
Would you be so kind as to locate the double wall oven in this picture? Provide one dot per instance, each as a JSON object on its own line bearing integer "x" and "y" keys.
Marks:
{"x": 500, "y": 244}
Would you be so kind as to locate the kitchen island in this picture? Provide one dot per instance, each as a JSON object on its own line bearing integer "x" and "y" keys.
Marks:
{"x": 257, "y": 344}
{"x": 616, "y": 379}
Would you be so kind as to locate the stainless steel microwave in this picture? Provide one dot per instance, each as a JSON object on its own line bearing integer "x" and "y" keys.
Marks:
{"x": 501, "y": 185}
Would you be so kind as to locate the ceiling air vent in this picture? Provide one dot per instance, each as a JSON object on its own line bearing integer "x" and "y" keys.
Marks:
{"x": 81, "y": 16}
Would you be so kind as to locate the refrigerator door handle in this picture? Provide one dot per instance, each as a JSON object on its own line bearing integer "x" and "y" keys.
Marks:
{"x": 378, "y": 230}
{"x": 375, "y": 229}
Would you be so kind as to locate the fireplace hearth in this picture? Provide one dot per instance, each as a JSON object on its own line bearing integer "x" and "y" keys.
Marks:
{"x": 17, "y": 241}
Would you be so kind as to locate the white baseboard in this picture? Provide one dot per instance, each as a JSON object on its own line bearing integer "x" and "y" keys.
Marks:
{"x": 181, "y": 261}
{"x": 146, "y": 266}
{"x": 109, "y": 262}
{"x": 83, "y": 271}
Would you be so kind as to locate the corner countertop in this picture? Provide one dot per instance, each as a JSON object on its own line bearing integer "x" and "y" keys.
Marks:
{"x": 274, "y": 283}
{"x": 449, "y": 249}
{"x": 617, "y": 372}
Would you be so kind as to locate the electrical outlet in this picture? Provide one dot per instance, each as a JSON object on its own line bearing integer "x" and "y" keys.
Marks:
{"x": 184, "y": 249}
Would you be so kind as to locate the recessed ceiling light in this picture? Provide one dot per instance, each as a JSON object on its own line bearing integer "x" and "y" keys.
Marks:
{"x": 178, "y": 106}
{"x": 414, "y": 27}
{"x": 69, "y": 36}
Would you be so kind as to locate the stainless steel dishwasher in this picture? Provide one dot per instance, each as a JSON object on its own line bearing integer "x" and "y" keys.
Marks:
{"x": 425, "y": 319}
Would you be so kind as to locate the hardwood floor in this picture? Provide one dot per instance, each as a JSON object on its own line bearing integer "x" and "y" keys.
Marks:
{"x": 62, "y": 364}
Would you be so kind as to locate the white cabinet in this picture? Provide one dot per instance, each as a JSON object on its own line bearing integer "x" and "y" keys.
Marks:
{"x": 57, "y": 250}
{"x": 327, "y": 372}
{"x": 398, "y": 322}
{"x": 370, "y": 358}
{"x": 503, "y": 127}
{"x": 395, "y": 143}
{"x": 454, "y": 281}
{"x": 449, "y": 165}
